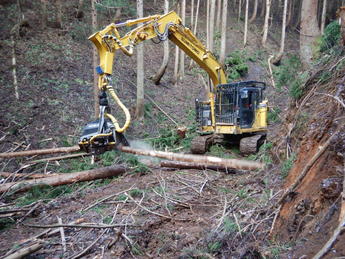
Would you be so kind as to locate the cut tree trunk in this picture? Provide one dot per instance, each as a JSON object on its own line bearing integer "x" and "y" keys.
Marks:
{"x": 185, "y": 165}
{"x": 40, "y": 152}
{"x": 201, "y": 160}
{"x": 157, "y": 78}
{"x": 62, "y": 179}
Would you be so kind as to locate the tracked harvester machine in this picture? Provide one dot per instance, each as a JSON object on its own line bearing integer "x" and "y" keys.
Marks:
{"x": 231, "y": 111}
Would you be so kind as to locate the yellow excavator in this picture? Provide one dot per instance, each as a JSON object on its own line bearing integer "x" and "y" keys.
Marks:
{"x": 233, "y": 111}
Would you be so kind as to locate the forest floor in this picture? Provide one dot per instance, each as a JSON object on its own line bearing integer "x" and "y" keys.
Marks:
{"x": 158, "y": 213}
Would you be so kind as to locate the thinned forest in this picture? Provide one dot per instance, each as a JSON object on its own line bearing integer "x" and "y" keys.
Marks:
{"x": 71, "y": 193}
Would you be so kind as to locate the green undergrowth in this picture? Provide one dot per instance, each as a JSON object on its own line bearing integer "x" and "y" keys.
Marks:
{"x": 170, "y": 140}
{"x": 287, "y": 165}
{"x": 330, "y": 38}
{"x": 288, "y": 75}
{"x": 236, "y": 65}
{"x": 264, "y": 154}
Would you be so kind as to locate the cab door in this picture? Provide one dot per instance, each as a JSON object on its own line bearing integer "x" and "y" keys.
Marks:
{"x": 248, "y": 100}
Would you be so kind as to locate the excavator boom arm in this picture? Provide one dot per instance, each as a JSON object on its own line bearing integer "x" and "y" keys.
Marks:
{"x": 108, "y": 41}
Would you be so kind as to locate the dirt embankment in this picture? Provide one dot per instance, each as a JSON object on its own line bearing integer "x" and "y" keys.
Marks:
{"x": 310, "y": 213}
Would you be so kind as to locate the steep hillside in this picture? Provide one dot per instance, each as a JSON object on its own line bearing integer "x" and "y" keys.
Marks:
{"x": 314, "y": 131}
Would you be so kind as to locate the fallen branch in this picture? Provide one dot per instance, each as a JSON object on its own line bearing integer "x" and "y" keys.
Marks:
{"x": 62, "y": 233}
{"x": 14, "y": 66}
{"x": 106, "y": 198}
{"x": 270, "y": 69}
{"x": 40, "y": 152}
{"x": 62, "y": 179}
{"x": 55, "y": 158}
{"x": 75, "y": 226}
{"x": 25, "y": 251}
{"x": 184, "y": 165}
{"x": 159, "y": 108}
{"x": 202, "y": 160}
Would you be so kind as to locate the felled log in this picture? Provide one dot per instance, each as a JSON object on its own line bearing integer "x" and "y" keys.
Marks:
{"x": 62, "y": 179}
{"x": 201, "y": 160}
{"x": 185, "y": 165}
{"x": 40, "y": 152}
{"x": 32, "y": 176}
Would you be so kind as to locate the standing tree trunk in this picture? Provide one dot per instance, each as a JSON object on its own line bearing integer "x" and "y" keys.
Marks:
{"x": 95, "y": 60}
{"x": 278, "y": 57}
{"x": 44, "y": 16}
{"x": 239, "y": 10}
{"x": 323, "y": 17}
{"x": 79, "y": 14}
{"x": 246, "y": 24}
{"x": 255, "y": 11}
{"x": 192, "y": 15}
{"x": 177, "y": 55}
{"x": 211, "y": 23}
{"x": 208, "y": 24}
{"x": 59, "y": 14}
{"x": 309, "y": 30}
{"x": 262, "y": 11}
{"x": 267, "y": 16}
{"x": 289, "y": 15}
{"x": 195, "y": 26}
{"x": 182, "y": 57}
{"x": 139, "y": 111}
{"x": 219, "y": 8}
{"x": 161, "y": 71}
{"x": 223, "y": 32}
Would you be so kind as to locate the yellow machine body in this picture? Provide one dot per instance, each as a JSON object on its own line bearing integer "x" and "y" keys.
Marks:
{"x": 163, "y": 27}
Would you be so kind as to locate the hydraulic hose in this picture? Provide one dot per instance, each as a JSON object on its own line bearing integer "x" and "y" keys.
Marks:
{"x": 123, "y": 107}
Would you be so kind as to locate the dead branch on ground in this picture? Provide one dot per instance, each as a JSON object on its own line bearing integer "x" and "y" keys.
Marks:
{"x": 25, "y": 251}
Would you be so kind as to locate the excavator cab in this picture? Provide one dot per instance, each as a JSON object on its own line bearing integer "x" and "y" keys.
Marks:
{"x": 239, "y": 111}
{"x": 235, "y": 104}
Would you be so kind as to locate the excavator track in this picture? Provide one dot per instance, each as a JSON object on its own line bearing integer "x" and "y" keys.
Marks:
{"x": 249, "y": 145}
{"x": 200, "y": 144}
